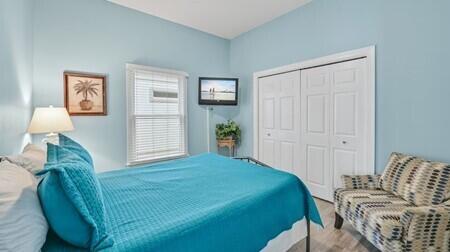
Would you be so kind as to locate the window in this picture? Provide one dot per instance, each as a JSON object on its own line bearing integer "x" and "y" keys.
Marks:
{"x": 156, "y": 112}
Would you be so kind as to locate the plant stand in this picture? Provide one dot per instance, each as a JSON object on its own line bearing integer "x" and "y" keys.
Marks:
{"x": 227, "y": 143}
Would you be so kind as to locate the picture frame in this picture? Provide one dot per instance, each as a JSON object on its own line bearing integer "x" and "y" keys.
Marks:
{"x": 85, "y": 94}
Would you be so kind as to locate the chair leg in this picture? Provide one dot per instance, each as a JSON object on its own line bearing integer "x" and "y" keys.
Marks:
{"x": 338, "y": 221}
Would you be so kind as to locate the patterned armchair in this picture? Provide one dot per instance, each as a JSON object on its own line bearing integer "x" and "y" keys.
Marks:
{"x": 407, "y": 208}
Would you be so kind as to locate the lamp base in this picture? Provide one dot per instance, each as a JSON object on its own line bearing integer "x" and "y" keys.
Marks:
{"x": 51, "y": 138}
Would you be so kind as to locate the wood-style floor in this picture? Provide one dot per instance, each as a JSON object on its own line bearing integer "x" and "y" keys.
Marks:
{"x": 331, "y": 239}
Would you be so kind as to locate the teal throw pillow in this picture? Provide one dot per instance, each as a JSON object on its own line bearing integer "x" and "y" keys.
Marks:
{"x": 72, "y": 200}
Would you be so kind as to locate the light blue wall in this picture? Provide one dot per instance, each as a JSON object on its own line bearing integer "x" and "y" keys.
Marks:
{"x": 412, "y": 39}
{"x": 413, "y": 76}
{"x": 15, "y": 73}
{"x": 100, "y": 37}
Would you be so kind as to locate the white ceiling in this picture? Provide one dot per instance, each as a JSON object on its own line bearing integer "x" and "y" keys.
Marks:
{"x": 224, "y": 18}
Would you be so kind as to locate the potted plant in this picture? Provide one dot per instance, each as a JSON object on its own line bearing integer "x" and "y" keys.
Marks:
{"x": 228, "y": 131}
{"x": 86, "y": 88}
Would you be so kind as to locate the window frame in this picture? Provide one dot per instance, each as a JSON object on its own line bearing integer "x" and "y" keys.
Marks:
{"x": 131, "y": 70}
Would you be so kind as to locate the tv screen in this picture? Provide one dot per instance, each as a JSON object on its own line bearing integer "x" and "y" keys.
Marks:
{"x": 217, "y": 91}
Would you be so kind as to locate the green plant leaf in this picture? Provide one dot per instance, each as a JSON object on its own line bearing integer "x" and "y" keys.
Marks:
{"x": 228, "y": 129}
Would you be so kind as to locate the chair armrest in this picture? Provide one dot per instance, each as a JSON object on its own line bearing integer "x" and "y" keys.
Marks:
{"x": 426, "y": 226}
{"x": 369, "y": 182}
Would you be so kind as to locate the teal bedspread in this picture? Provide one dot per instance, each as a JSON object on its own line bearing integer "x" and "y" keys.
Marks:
{"x": 201, "y": 203}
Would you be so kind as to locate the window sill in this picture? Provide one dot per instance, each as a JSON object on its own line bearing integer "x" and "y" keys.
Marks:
{"x": 155, "y": 160}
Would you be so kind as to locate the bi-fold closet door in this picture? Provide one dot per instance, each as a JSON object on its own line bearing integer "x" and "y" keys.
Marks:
{"x": 312, "y": 123}
{"x": 279, "y": 121}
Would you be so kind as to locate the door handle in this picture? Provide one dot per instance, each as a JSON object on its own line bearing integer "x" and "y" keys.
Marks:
{"x": 268, "y": 134}
{"x": 344, "y": 142}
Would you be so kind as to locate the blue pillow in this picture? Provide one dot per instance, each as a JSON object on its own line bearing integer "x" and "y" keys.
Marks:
{"x": 75, "y": 147}
{"x": 72, "y": 200}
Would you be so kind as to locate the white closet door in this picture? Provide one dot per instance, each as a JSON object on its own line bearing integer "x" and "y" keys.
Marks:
{"x": 333, "y": 124}
{"x": 279, "y": 121}
{"x": 315, "y": 118}
{"x": 348, "y": 129}
{"x": 268, "y": 133}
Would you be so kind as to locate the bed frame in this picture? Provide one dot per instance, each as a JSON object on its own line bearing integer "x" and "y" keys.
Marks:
{"x": 254, "y": 161}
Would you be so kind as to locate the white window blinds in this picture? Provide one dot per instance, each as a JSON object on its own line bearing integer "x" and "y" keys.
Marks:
{"x": 156, "y": 114}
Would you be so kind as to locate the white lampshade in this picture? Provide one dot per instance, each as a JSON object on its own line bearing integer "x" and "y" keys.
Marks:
{"x": 50, "y": 120}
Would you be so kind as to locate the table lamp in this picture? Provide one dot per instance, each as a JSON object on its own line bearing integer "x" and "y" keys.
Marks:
{"x": 50, "y": 120}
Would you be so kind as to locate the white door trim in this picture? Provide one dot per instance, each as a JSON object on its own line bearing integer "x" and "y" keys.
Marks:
{"x": 367, "y": 52}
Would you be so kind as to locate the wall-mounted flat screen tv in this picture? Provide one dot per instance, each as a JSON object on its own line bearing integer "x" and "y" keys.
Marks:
{"x": 217, "y": 91}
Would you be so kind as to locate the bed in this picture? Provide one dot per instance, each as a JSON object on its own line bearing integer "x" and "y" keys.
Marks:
{"x": 201, "y": 203}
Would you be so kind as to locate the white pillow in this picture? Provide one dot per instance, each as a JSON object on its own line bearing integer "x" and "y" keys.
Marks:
{"x": 23, "y": 226}
{"x": 33, "y": 158}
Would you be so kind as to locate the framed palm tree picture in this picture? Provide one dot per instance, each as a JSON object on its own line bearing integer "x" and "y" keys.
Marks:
{"x": 85, "y": 94}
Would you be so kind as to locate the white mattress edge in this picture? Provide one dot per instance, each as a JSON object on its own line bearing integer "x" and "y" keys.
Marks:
{"x": 286, "y": 239}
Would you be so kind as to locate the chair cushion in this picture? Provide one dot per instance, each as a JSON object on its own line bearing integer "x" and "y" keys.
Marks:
{"x": 72, "y": 200}
{"x": 376, "y": 210}
{"x": 416, "y": 180}
{"x": 76, "y": 148}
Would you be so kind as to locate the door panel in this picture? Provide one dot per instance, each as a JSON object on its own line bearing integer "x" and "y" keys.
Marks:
{"x": 349, "y": 86}
{"x": 287, "y": 113}
{"x": 269, "y": 113}
{"x": 344, "y": 75}
{"x": 332, "y": 116}
{"x": 315, "y": 163}
{"x": 317, "y": 166}
{"x": 316, "y": 113}
{"x": 287, "y": 156}
{"x": 268, "y": 152}
{"x": 279, "y": 98}
{"x": 345, "y": 114}
{"x": 317, "y": 79}
{"x": 344, "y": 163}
{"x": 268, "y": 104}
{"x": 315, "y": 110}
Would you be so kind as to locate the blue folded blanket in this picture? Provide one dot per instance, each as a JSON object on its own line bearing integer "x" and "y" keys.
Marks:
{"x": 201, "y": 203}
